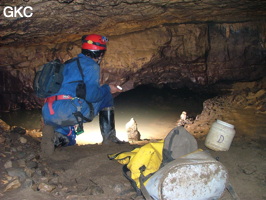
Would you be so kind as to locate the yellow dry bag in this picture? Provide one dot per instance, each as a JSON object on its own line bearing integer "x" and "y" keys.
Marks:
{"x": 146, "y": 159}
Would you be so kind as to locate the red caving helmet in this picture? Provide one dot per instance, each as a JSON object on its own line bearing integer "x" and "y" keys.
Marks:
{"x": 94, "y": 42}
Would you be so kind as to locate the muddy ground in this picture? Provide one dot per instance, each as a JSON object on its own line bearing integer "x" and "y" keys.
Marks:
{"x": 85, "y": 172}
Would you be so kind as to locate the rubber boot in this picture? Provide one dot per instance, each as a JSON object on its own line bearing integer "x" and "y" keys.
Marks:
{"x": 60, "y": 140}
{"x": 107, "y": 126}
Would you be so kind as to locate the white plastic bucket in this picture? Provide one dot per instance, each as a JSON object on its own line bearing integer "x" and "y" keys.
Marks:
{"x": 196, "y": 176}
{"x": 220, "y": 136}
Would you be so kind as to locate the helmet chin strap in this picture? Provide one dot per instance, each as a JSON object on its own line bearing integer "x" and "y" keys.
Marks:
{"x": 98, "y": 60}
{"x": 95, "y": 56}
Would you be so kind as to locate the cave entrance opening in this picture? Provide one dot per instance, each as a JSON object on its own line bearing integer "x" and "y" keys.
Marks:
{"x": 155, "y": 109}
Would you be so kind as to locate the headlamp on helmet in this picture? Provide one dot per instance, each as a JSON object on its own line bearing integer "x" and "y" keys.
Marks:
{"x": 94, "y": 42}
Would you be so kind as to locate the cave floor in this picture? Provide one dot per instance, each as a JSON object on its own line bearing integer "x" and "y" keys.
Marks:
{"x": 85, "y": 172}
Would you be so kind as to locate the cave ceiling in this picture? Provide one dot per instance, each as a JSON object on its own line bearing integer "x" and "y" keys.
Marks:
{"x": 63, "y": 20}
{"x": 180, "y": 43}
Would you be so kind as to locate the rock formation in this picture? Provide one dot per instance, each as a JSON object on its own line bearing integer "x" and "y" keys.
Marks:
{"x": 192, "y": 44}
{"x": 132, "y": 131}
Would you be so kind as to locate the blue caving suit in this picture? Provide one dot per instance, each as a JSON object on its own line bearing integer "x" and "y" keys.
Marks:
{"x": 99, "y": 95}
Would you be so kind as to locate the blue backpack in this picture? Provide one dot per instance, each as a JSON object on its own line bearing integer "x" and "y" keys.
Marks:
{"x": 48, "y": 79}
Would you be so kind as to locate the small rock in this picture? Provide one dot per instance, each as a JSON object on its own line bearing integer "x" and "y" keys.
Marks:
{"x": 132, "y": 131}
{"x": 4, "y": 181}
{"x": 4, "y": 125}
{"x": 54, "y": 181}
{"x": 21, "y": 163}
{"x": 95, "y": 190}
{"x": 32, "y": 164}
{"x": 20, "y": 148}
{"x": 35, "y": 187}
{"x": 21, "y": 154}
{"x": 40, "y": 172}
{"x": 13, "y": 185}
{"x": 8, "y": 178}
{"x": 23, "y": 140}
{"x": 43, "y": 187}
{"x": 29, "y": 172}
{"x": 118, "y": 187}
{"x": 44, "y": 179}
{"x": 35, "y": 133}
{"x": 8, "y": 164}
{"x": 31, "y": 156}
{"x": 19, "y": 172}
{"x": 28, "y": 183}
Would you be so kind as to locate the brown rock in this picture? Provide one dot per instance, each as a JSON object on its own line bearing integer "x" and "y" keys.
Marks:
{"x": 4, "y": 126}
{"x": 43, "y": 187}
{"x": 13, "y": 185}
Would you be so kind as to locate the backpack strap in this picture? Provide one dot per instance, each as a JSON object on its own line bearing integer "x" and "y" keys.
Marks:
{"x": 80, "y": 69}
{"x": 50, "y": 101}
{"x": 231, "y": 190}
{"x": 89, "y": 103}
{"x": 81, "y": 93}
{"x": 80, "y": 118}
{"x": 167, "y": 150}
{"x": 142, "y": 179}
{"x": 142, "y": 190}
{"x": 132, "y": 182}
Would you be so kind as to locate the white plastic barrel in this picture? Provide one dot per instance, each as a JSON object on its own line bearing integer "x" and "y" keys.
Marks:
{"x": 196, "y": 176}
{"x": 220, "y": 136}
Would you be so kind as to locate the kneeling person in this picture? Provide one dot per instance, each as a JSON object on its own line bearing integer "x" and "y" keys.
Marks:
{"x": 81, "y": 97}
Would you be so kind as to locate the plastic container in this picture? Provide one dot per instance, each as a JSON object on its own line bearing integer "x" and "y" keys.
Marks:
{"x": 220, "y": 136}
{"x": 196, "y": 176}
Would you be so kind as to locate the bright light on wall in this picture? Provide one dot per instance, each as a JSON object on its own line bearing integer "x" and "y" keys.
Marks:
{"x": 92, "y": 133}
{"x": 149, "y": 129}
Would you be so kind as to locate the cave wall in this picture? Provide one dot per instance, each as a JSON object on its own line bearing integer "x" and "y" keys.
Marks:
{"x": 181, "y": 55}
